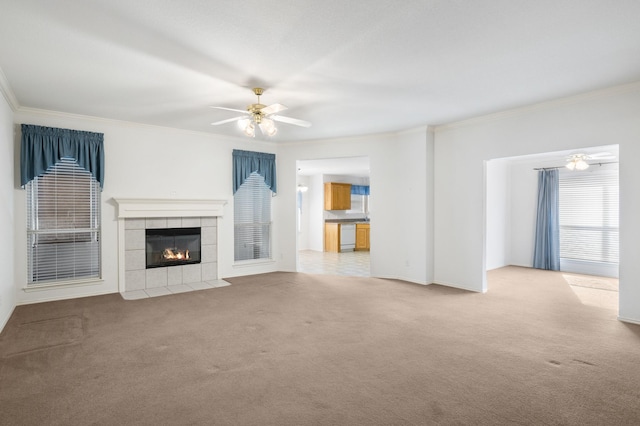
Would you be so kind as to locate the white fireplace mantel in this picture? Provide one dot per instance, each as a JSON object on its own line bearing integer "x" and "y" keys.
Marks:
{"x": 152, "y": 208}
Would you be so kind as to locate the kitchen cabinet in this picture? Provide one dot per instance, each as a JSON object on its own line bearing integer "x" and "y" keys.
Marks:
{"x": 332, "y": 237}
{"x": 362, "y": 236}
{"x": 337, "y": 196}
{"x": 339, "y": 237}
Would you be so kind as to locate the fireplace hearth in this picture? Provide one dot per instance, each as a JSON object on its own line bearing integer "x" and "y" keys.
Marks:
{"x": 172, "y": 247}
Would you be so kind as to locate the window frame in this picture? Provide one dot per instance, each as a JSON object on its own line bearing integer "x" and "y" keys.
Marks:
{"x": 73, "y": 180}
{"x": 607, "y": 200}
{"x": 254, "y": 182}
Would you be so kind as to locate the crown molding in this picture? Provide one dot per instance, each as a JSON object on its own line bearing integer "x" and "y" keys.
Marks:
{"x": 92, "y": 118}
{"x": 349, "y": 138}
{"x": 122, "y": 123}
{"x": 7, "y": 92}
{"x": 423, "y": 129}
{"x": 359, "y": 138}
{"x": 513, "y": 112}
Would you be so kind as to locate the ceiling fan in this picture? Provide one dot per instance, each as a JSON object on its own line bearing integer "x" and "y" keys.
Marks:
{"x": 262, "y": 116}
{"x": 579, "y": 161}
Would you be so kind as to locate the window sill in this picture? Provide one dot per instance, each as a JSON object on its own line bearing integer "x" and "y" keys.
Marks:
{"x": 62, "y": 284}
{"x": 250, "y": 263}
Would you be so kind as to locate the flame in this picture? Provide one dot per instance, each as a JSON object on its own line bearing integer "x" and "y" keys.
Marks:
{"x": 175, "y": 254}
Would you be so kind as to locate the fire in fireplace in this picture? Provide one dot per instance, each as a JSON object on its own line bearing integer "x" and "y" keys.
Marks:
{"x": 172, "y": 246}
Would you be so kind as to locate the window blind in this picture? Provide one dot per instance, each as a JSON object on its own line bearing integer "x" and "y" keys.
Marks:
{"x": 63, "y": 224}
{"x": 252, "y": 219}
{"x": 589, "y": 229}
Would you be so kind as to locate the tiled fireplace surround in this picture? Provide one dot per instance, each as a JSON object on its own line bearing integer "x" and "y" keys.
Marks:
{"x": 139, "y": 278}
{"x": 136, "y": 215}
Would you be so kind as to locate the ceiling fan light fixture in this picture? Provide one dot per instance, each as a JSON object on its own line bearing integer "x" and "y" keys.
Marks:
{"x": 577, "y": 162}
{"x": 582, "y": 165}
{"x": 268, "y": 127}
{"x": 242, "y": 124}
{"x": 259, "y": 115}
{"x": 250, "y": 130}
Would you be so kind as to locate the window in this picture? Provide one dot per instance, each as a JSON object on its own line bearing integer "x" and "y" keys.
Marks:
{"x": 359, "y": 199}
{"x": 589, "y": 220}
{"x": 63, "y": 224}
{"x": 252, "y": 219}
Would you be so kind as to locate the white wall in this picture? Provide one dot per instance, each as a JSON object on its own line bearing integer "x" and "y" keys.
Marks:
{"x": 147, "y": 162}
{"x": 303, "y": 235}
{"x": 524, "y": 196}
{"x": 498, "y": 214}
{"x": 605, "y": 117}
{"x": 401, "y": 223}
{"x": 314, "y": 214}
{"x": 7, "y": 225}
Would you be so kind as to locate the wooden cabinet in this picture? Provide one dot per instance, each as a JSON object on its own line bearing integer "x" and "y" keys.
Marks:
{"x": 362, "y": 236}
{"x": 337, "y": 196}
{"x": 332, "y": 237}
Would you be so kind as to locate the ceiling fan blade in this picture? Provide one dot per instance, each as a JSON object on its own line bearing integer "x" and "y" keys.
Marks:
{"x": 290, "y": 120}
{"x": 229, "y": 120}
{"x": 601, "y": 156}
{"x": 274, "y": 108}
{"x": 231, "y": 109}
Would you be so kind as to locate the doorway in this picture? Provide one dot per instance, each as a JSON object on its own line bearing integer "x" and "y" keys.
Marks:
{"x": 510, "y": 219}
{"x": 313, "y": 215}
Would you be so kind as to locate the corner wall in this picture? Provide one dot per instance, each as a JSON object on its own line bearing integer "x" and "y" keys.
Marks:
{"x": 594, "y": 119}
{"x": 524, "y": 196}
{"x": 498, "y": 214}
{"x": 7, "y": 225}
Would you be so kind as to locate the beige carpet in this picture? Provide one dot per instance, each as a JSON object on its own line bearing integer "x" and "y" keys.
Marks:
{"x": 296, "y": 349}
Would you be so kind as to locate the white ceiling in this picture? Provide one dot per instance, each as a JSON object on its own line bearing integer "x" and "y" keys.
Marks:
{"x": 350, "y": 68}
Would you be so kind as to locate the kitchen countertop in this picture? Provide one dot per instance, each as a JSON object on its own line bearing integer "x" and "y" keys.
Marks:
{"x": 346, "y": 221}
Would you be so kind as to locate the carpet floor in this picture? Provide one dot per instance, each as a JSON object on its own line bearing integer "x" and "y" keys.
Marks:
{"x": 301, "y": 349}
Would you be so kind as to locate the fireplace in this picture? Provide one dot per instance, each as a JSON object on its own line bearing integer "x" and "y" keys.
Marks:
{"x": 172, "y": 247}
{"x": 137, "y": 215}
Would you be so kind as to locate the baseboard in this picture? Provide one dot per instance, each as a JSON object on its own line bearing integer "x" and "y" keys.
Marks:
{"x": 409, "y": 280}
{"x": 4, "y": 321}
{"x": 629, "y": 320}
{"x": 64, "y": 297}
{"x": 458, "y": 286}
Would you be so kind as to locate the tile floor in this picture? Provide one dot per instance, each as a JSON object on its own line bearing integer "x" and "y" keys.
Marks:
{"x": 354, "y": 264}
{"x": 172, "y": 289}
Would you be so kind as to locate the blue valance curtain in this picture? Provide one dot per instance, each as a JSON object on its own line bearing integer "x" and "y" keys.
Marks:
{"x": 43, "y": 147}
{"x": 547, "y": 240}
{"x": 247, "y": 162}
{"x": 360, "y": 189}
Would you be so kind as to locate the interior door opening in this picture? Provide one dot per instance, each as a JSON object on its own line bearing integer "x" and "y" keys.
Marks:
{"x": 334, "y": 216}
{"x": 589, "y": 263}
